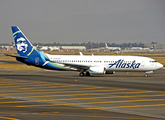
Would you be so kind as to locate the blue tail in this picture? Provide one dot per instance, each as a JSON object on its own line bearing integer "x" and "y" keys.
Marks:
{"x": 26, "y": 52}
{"x": 23, "y": 45}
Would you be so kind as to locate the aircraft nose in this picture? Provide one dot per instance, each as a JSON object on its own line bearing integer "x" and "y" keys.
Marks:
{"x": 160, "y": 65}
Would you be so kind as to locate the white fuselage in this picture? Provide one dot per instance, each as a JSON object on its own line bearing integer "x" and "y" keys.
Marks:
{"x": 110, "y": 63}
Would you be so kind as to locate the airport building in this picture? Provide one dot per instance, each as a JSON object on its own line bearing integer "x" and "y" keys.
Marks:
{"x": 7, "y": 48}
{"x": 62, "y": 48}
{"x": 73, "y": 48}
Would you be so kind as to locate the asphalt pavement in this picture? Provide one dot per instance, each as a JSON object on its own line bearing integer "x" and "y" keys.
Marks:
{"x": 60, "y": 95}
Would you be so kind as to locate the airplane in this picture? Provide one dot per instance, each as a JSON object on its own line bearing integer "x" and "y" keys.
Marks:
{"x": 112, "y": 48}
{"x": 43, "y": 47}
{"x": 84, "y": 64}
{"x": 54, "y": 48}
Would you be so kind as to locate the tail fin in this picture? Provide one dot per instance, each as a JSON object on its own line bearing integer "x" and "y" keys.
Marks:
{"x": 106, "y": 46}
{"x": 23, "y": 45}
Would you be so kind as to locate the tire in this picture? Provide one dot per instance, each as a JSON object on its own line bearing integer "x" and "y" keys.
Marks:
{"x": 87, "y": 74}
{"x": 104, "y": 72}
{"x": 81, "y": 74}
{"x": 145, "y": 75}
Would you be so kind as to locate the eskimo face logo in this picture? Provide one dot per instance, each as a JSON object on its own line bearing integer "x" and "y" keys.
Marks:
{"x": 22, "y": 45}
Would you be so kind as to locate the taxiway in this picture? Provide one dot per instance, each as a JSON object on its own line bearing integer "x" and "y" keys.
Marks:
{"x": 58, "y": 95}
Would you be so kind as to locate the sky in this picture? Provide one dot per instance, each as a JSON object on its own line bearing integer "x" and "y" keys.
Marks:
{"x": 77, "y": 21}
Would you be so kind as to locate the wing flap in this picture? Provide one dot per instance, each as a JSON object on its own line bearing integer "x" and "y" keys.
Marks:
{"x": 77, "y": 66}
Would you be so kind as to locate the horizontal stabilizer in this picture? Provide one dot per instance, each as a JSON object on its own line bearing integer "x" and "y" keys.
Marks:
{"x": 16, "y": 56}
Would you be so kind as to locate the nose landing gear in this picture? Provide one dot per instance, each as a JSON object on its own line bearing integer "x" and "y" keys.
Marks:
{"x": 146, "y": 75}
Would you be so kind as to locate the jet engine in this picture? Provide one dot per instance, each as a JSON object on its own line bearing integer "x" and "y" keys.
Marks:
{"x": 97, "y": 70}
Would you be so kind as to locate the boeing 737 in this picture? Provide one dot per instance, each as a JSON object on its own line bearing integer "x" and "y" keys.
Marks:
{"x": 112, "y": 48}
{"x": 84, "y": 64}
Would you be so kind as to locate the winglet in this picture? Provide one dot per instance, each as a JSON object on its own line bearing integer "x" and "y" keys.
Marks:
{"x": 81, "y": 54}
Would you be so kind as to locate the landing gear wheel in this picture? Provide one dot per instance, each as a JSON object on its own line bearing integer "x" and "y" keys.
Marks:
{"x": 104, "y": 72}
{"x": 81, "y": 74}
{"x": 145, "y": 75}
{"x": 87, "y": 74}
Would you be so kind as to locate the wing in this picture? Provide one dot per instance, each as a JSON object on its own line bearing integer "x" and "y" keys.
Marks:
{"x": 75, "y": 66}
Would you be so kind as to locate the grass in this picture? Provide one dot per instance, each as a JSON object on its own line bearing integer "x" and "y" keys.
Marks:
{"x": 18, "y": 67}
{"x": 7, "y": 58}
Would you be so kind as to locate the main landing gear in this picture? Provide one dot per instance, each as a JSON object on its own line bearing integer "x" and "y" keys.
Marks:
{"x": 82, "y": 74}
{"x": 87, "y": 74}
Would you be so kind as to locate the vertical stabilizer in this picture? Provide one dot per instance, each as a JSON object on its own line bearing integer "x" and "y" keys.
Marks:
{"x": 106, "y": 46}
{"x": 23, "y": 45}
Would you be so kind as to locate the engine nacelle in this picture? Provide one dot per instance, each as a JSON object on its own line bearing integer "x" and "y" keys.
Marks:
{"x": 97, "y": 70}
